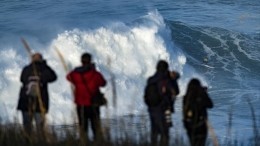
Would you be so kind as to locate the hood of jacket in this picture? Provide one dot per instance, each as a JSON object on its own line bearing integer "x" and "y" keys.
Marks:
{"x": 158, "y": 76}
{"x": 83, "y": 69}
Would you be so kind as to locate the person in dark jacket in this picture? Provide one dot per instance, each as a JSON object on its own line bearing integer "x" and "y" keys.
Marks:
{"x": 195, "y": 104}
{"x": 160, "y": 114}
{"x": 34, "y": 98}
{"x": 87, "y": 81}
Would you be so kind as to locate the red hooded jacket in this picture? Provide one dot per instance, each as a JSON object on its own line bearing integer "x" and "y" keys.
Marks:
{"x": 85, "y": 90}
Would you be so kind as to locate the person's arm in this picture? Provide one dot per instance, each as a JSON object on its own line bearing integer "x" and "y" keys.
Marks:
{"x": 175, "y": 87}
{"x": 174, "y": 77}
{"x": 207, "y": 102}
{"x": 24, "y": 75}
{"x": 101, "y": 80}
{"x": 184, "y": 105}
{"x": 69, "y": 77}
{"x": 48, "y": 74}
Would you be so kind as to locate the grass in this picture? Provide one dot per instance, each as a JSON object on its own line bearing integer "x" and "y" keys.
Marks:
{"x": 123, "y": 134}
{"x": 128, "y": 130}
{"x": 12, "y": 135}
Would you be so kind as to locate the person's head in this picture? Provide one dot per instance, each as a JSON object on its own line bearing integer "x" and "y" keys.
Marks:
{"x": 86, "y": 59}
{"x": 162, "y": 66}
{"x": 37, "y": 57}
{"x": 194, "y": 85}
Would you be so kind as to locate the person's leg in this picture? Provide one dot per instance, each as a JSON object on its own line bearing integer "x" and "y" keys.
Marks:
{"x": 27, "y": 123}
{"x": 200, "y": 140}
{"x": 191, "y": 132}
{"x": 96, "y": 123}
{"x": 186, "y": 126}
{"x": 201, "y": 135}
{"x": 190, "y": 136}
{"x": 82, "y": 119}
{"x": 193, "y": 137}
{"x": 165, "y": 136}
{"x": 154, "y": 129}
{"x": 83, "y": 122}
{"x": 40, "y": 125}
{"x": 164, "y": 130}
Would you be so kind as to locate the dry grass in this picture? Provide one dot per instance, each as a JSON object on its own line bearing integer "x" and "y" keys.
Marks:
{"x": 126, "y": 132}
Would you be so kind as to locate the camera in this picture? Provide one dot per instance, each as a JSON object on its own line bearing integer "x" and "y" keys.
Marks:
{"x": 174, "y": 75}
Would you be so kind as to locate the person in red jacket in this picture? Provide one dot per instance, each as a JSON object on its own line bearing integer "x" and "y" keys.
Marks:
{"x": 87, "y": 81}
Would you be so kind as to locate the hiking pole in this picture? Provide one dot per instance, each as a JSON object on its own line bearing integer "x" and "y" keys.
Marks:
{"x": 66, "y": 68}
{"x": 38, "y": 90}
{"x": 26, "y": 46}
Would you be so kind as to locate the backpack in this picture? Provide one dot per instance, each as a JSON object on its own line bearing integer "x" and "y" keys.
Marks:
{"x": 32, "y": 87}
{"x": 193, "y": 113}
{"x": 154, "y": 93}
{"x": 99, "y": 99}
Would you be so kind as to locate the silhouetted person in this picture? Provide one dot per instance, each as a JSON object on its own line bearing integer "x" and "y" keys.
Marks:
{"x": 87, "y": 81}
{"x": 34, "y": 98}
{"x": 195, "y": 104}
{"x": 160, "y": 94}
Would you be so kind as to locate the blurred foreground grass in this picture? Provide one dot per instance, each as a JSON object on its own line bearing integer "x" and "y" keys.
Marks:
{"x": 119, "y": 132}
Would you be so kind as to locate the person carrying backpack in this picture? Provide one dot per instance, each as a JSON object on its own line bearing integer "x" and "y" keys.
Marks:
{"x": 33, "y": 97}
{"x": 195, "y": 104}
{"x": 87, "y": 81}
{"x": 159, "y": 96}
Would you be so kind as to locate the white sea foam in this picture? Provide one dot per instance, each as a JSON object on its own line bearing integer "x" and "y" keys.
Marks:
{"x": 133, "y": 50}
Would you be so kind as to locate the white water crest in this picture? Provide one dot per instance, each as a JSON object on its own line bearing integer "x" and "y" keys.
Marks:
{"x": 129, "y": 52}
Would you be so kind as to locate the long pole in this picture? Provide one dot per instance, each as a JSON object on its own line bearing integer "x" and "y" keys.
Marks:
{"x": 62, "y": 59}
{"x": 38, "y": 90}
{"x": 66, "y": 68}
{"x": 39, "y": 97}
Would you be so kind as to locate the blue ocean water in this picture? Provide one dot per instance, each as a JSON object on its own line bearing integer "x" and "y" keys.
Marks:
{"x": 134, "y": 35}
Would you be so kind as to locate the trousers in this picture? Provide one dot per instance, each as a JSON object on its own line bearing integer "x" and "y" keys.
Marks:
{"x": 28, "y": 118}
{"x": 90, "y": 114}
